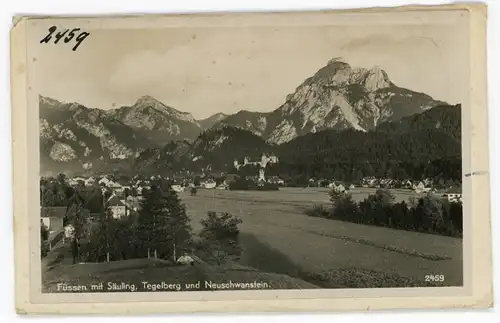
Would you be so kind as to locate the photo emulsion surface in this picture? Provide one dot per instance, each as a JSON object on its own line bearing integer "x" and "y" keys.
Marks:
{"x": 250, "y": 156}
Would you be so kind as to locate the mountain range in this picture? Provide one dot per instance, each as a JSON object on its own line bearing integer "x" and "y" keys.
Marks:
{"x": 336, "y": 101}
{"x": 337, "y": 97}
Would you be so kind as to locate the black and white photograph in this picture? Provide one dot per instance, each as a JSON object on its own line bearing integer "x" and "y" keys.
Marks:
{"x": 235, "y": 156}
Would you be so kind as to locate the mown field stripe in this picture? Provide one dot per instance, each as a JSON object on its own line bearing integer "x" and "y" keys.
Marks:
{"x": 400, "y": 250}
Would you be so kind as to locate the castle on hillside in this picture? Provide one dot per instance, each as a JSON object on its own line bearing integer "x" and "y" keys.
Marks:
{"x": 264, "y": 160}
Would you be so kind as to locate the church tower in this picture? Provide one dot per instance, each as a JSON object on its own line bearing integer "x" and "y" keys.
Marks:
{"x": 262, "y": 175}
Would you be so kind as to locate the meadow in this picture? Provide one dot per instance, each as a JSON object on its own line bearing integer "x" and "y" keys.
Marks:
{"x": 277, "y": 236}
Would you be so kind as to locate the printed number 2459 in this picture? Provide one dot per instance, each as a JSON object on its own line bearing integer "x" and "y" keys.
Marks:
{"x": 70, "y": 34}
{"x": 434, "y": 278}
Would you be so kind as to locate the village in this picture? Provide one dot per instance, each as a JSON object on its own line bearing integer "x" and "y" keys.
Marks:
{"x": 123, "y": 195}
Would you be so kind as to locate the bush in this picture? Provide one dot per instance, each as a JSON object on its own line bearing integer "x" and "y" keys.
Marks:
{"x": 219, "y": 237}
{"x": 220, "y": 225}
{"x": 345, "y": 208}
{"x": 44, "y": 248}
{"x": 319, "y": 211}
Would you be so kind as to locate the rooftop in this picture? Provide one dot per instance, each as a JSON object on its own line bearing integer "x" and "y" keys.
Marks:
{"x": 53, "y": 211}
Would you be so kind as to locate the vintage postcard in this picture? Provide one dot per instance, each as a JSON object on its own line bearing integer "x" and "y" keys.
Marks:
{"x": 293, "y": 161}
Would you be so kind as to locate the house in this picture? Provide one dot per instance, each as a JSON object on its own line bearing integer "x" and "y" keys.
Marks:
{"x": 118, "y": 209}
{"x": 453, "y": 195}
{"x": 209, "y": 184}
{"x": 75, "y": 181}
{"x": 407, "y": 183}
{"x": 90, "y": 181}
{"x": 141, "y": 187}
{"x": 127, "y": 208}
{"x": 177, "y": 188}
{"x": 104, "y": 189}
{"x": 223, "y": 186}
{"x": 420, "y": 188}
{"x": 53, "y": 217}
{"x": 69, "y": 231}
{"x": 275, "y": 180}
{"x": 370, "y": 182}
{"x": 185, "y": 260}
{"x": 122, "y": 183}
{"x": 105, "y": 181}
{"x": 133, "y": 203}
{"x": 428, "y": 182}
{"x": 115, "y": 186}
{"x": 386, "y": 183}
{"x": 337, "y": 188}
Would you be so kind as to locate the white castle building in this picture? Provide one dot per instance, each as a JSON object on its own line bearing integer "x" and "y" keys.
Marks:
{"x": 262, "y": 162}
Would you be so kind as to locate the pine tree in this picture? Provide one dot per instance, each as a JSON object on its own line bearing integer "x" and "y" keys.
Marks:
{"x": 163, "y": 225}
{"x": 102, "y": 240}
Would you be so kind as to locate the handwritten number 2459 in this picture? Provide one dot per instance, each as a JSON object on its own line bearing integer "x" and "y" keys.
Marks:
{"x": 69, "y": 36}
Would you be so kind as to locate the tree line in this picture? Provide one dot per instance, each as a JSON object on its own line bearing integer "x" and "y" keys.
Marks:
{"x": 440, "y": 170}
{"x": 428, "y": 214}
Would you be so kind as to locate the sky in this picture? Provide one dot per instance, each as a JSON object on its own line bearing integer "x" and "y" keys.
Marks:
{"x": 219, "y": 69}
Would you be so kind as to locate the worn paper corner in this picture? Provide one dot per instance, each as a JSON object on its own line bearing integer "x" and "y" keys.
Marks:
{"x": 488, "y": 301}
{"x": 21, "y": 311}
{"x": 479, "y": 7}
{"x": 17, "y": 19}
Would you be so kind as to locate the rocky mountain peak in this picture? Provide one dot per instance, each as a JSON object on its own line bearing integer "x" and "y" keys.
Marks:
{"x": 338, "y": 96}
{"x": 334, "y": 72}
{"x": 212, "y": 120}
{"x": 148, "y": 101}
{"x": 48, "y": 101}
{"x": 219, "y": 116}
{"x": 376, "y": 79}
{"x": 337, "y": 73}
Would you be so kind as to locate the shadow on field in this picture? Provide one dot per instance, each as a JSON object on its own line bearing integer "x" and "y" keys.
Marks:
{"x": 265, "y": 258}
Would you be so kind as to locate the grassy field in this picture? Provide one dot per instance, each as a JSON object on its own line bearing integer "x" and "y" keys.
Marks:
{"x": 278, "y": 237}
{"x": 283, "y": 248}
{"x": 59, "y": 274}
